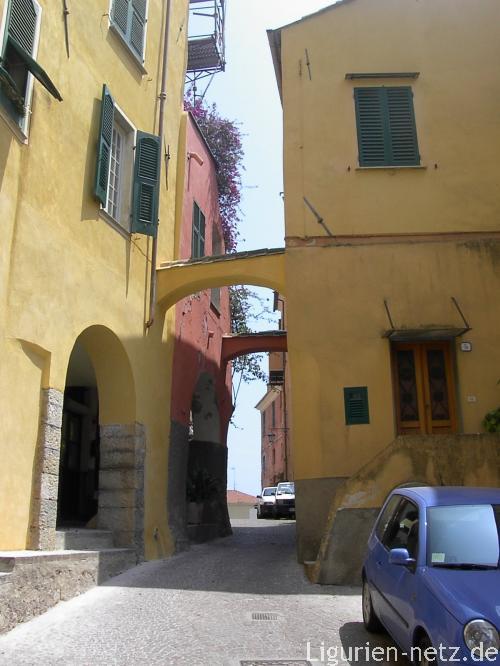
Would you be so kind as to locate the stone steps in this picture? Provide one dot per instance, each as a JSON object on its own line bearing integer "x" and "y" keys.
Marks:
{"x": 40, "y": 579}
{"x": 83, "y": 539}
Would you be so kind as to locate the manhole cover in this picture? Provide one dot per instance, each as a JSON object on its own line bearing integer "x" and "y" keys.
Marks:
{"x": 279, "y": 662}
{"x": 264, "y": 616}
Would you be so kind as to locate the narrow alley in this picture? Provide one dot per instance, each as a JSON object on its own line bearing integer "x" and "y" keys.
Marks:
{"x": 202, "y": 608}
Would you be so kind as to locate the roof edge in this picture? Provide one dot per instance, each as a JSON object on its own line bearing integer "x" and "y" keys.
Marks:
{"x": 274, "y": 37}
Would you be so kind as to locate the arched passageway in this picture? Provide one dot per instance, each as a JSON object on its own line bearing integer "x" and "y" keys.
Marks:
{"x": 89, "y": 468}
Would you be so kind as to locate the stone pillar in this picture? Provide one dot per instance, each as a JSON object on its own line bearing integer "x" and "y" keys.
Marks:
{"x": 43, "y": 513}
{"x": 121, "y": 484}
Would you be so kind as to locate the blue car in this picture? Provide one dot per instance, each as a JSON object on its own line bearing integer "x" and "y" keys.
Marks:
{"x": 431, "y": 577}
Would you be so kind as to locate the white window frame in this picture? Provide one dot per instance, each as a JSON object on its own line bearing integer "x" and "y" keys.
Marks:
{"x": 122, "y": 222}
{"x": 22, "y": 129}
{"x": 112, "y": 26}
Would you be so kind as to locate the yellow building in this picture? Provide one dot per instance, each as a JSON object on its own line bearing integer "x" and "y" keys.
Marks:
{"x": 89, "y": 136}
{"x": 392, "y": 261}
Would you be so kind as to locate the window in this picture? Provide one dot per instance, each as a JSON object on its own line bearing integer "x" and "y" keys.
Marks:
{"x": 385, "y": 119}
{"x": 402, "y": 531}
{"x": 263, "y": 420}
{"x": 127, "y": 176}
{"x": 198, "y": 235}
{"x": 18, "y": 67}
{"x": 386, "y": 515}
{"x": 129, "y": 18}
{"x": 273, "y": 415}
{"x": 356, "y": 405}
{"x": 120, "y": 171}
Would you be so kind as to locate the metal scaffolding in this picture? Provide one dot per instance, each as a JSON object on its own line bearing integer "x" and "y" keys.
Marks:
{"x": 206, "y": 43}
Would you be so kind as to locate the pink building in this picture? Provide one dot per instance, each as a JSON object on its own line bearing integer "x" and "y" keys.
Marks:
{"x": 201, "y": 403}
{"x": 274, "y": 407}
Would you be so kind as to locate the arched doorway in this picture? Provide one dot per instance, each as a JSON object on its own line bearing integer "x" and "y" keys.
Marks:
{"x": 102, "y": 453}
{"x": 206, "y": 478}
{"x": 80, "y": 443}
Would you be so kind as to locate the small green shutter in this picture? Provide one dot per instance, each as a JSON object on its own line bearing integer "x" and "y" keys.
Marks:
{"x": 138, "y": 25}
{"x": 403, "y": 133}
{"x": 104, "y": 147}
{"x": 129, "y": 16}
{"x": 198, "y": 233}
{"x": 32, "y": 66}
{"x": 356, "y": 405}
{"x": 385, "y": 120}
{"x": 120, "y": 14}
{"x": 370, "y": 124}
{"x": 23, "y": 18}
{"x": 146, "y": 190}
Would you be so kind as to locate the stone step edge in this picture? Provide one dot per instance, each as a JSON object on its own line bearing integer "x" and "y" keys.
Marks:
{"x": 31, "y": 556}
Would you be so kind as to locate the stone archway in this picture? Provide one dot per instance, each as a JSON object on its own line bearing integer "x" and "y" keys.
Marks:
{"x": 99, "y": 372}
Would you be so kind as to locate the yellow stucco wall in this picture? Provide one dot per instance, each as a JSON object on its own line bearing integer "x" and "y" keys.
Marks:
{"x": 415, "y": 237}
{"x": 453, "y": 44}
{"x": 346, "y": 347}
{"x": 63, "y": 268}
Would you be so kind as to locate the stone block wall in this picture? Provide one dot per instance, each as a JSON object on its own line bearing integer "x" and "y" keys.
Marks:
{"x": 43, "y": 514}
{"x": 121, "y": 484}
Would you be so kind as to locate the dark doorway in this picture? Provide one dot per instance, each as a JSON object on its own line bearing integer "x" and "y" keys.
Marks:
{"x": 79, "y": 459}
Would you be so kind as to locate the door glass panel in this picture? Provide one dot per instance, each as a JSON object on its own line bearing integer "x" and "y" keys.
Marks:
{"x": 408, "y": 397}
{"x": 438, "y": 386}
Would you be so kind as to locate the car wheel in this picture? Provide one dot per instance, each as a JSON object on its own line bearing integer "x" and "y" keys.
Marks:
{"x": 424, "y": 658}
{"x": 259, "y": 515}
{"x": 370, "y": 619}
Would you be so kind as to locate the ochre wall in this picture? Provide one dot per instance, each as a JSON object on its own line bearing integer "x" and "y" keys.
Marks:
{"x": 413, "y": 236}
{"x": 63, "y": 268}
{"x": 454, "y": 46}
{"x": 336, "y": 340}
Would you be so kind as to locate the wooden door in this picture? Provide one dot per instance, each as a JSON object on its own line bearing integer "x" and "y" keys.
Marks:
{"x": 424, "y": 388}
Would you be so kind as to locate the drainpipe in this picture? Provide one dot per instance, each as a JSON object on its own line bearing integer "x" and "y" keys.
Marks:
{"x": 161, "y": 132}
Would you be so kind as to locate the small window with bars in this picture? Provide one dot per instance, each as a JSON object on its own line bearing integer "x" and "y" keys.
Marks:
{"x": 198, "y": 235}
{"x": 385, "y": 119}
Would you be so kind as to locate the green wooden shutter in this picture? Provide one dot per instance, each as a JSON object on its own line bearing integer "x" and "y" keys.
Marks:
{"x": 401, "y": 120}
{"x": 138, "y": 26}
{"x": 146, "y": 190}
{"x": 32, "y": 66}
{"x": 104, "y": 147}
{"x": 23, "y": 17}
{"x": 356, "y": 405}
{"x": 372, "y": 145}
{"x": 385, "y": 120}
{"x": 120, "y": 15}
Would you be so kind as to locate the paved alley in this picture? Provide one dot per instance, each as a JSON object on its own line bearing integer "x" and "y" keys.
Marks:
{"x": 198, "y": 609}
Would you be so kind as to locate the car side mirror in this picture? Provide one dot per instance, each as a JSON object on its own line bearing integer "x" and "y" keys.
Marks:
{"x": 401, "y": 557}
{"x": 259, "y": 496}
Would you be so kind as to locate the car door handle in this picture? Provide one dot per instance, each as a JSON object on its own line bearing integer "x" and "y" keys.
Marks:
{"x": 379, "y": 563}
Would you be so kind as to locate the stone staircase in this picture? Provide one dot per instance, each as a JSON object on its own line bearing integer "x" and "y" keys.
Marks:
{"x": 73, "y": 538}
{"x": 31, "y": 581}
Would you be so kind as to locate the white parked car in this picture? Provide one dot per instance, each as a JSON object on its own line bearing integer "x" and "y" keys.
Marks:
{"x": 266, "y": 503}
{"x": 285, "y": 500}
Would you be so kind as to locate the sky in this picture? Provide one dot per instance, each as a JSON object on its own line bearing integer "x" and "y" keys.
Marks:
{"x": 247, "y": 93}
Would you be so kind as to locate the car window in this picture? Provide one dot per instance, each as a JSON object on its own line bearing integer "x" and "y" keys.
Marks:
{"x": 386, "y": 516}
{"x": 402, "y": 531}
{"x": 463, "y": 535}
{"x": 269, "y": 491}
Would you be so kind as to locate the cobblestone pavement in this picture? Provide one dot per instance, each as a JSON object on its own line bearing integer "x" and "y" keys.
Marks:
{"x": 195, "y": 609}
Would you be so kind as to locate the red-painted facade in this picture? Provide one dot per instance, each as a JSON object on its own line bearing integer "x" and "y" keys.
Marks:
{"x": 200, "y": 324}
